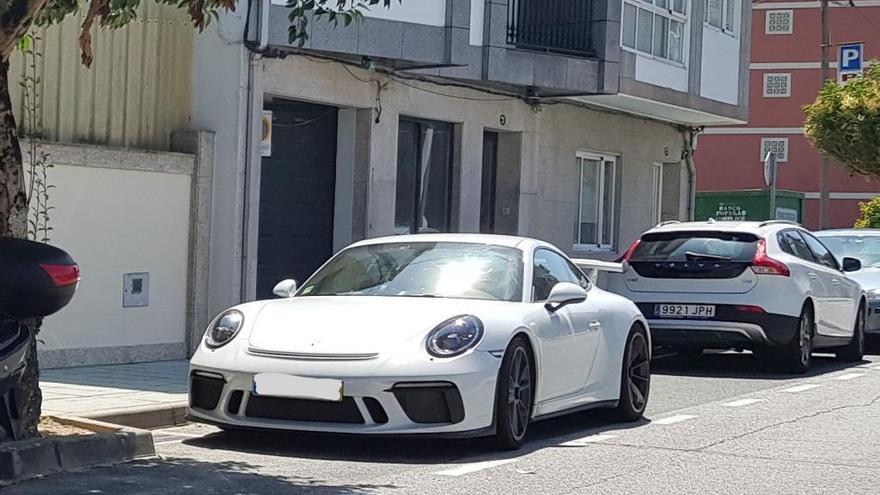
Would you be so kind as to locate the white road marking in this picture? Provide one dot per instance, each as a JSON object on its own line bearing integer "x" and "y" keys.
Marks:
{"x": 601, "y": 437}
{"x": 849, "y": 376}
{"x": 673, "y": 419}
{"x": 474, "y": 467}
{"x": 801, "y": 388}
{"x": 743, "y": 402}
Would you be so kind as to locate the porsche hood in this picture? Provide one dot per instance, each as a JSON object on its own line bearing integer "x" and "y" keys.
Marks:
{"x": 350, "y": 327}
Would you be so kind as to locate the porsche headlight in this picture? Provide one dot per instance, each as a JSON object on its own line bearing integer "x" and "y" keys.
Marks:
{"x": 455, "y": 336}
{"x": 224, "y": 328}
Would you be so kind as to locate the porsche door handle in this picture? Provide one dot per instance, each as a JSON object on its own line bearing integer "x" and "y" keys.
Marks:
{"x": 595, "y": 326}
{"x": 834, "y": 281}
{"x": 813, "y": 276}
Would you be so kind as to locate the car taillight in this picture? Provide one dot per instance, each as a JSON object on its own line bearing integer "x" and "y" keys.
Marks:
{"x": 765, "y": 265}
{"x": 629, "y": 252}
{"x": 62, "y": 275}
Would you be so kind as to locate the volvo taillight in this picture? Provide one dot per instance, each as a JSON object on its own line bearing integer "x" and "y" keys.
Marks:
{"x": 629, "y": 252}
{"x": 765, "y": 265}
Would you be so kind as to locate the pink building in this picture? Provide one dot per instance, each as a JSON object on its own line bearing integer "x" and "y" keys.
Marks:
{"x": 784, "y": 76}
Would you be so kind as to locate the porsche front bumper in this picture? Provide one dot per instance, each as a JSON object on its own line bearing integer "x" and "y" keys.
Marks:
{"x": 448, "y": 398}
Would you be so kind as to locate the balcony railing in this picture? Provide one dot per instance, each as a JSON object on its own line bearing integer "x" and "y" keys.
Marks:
{"x": 550, "y": 25}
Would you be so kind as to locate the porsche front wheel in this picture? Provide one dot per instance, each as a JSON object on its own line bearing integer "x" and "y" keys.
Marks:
{"x": 514, "y": 395}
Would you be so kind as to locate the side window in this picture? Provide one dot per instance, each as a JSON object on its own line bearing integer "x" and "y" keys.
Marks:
{"x": 822, "y": 254}
{"x": 793, "y": 244}
{"x": 549, "y": 270}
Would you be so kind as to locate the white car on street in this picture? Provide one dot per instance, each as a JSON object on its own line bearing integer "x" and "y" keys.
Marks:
{"x": 863, "y": 245}
{"x": 432, "y": 334}
{"x": 771, "y": 287}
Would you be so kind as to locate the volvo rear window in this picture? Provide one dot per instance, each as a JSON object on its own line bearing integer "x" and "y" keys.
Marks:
{"x": 696, "y": 246}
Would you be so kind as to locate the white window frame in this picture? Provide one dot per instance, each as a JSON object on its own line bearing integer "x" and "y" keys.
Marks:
{"x": 671, "y": 15}
{"x": 777, "y": 74}
{"x": 733, "y": 28}
{"x": 778, "y": 11}
{"x": 607, "y": 246}
{"x": 657, "y": 204}
{"x": 778, "y": 158}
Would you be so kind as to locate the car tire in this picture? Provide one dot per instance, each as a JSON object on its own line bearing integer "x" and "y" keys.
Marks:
{"x": 796, "y": 356}
{"x": 514, "y": 395}
{"x": 855, "y": 350}
{"x": 635, "y": 377}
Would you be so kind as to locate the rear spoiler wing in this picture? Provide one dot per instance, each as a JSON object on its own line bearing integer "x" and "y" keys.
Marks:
{"x": 593, "y": 267}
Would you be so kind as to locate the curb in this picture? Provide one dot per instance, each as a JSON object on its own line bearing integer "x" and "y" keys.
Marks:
{"x": 146, "y": 417}
{"x": 110, "y": 444}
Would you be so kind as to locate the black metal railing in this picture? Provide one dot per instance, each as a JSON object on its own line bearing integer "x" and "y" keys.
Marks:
{"x": 550, "y": 25}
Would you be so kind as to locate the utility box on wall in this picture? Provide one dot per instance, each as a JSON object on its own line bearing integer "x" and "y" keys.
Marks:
{"x": 749, "y": 205}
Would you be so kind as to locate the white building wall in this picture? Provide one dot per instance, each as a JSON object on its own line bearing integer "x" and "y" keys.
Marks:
{"x": 119, "y": 212}
{"x": 663, "y": 74}
{"x": 719, "y": 75}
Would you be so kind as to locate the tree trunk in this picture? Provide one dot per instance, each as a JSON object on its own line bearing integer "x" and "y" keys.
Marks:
{"x": 13, "y": 222}
{"x": 13, "y": 200}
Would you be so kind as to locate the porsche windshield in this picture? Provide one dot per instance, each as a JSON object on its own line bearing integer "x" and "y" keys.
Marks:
{"x": 422, "y": 269}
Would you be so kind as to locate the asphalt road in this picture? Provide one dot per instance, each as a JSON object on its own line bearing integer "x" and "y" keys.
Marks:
{"x": 723, "y": 424}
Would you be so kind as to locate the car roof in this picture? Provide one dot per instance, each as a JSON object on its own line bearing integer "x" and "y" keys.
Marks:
{"x": 723, "y": 226}
{"x": 522, "y": 243}
{"x": 848, "y": 232}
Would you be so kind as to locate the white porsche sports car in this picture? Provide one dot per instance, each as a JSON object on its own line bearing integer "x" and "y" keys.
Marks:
{"x": 432, "y": 334}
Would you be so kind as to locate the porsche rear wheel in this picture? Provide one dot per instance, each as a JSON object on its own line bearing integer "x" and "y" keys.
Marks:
{"x": 635, "y": 379}
{"x": 514, "y": 395}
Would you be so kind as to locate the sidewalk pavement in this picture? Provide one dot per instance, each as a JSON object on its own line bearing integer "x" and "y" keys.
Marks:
{"x": 143, "y": 395}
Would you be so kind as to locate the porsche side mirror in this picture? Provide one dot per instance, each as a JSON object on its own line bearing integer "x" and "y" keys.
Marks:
{"x": 36, "y": 279}
{"x": 285, "y": 288}
{"x": 851, "y": 265}
{"x": 563, "y": 294}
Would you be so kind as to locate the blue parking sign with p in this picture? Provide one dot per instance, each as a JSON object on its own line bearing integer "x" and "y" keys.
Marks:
{"x": 850, "y": 57}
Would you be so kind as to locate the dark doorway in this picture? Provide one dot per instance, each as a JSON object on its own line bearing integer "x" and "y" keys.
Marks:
{"x": 297, "y": 192}
{"x": 424, "y": 176}
{"x": 489, "y": 183}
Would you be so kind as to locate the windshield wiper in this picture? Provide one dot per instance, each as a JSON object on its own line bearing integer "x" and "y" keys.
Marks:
{"x": 432, "y": 296}
{"x": 705, "y": 256}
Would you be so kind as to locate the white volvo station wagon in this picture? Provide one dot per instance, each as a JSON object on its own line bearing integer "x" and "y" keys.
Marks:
{"x": 453, "y": 335}
{"x": 771, "y": 287}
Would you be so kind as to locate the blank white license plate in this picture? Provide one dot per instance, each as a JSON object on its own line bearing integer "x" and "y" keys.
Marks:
{"x": 684, "y": 311}
{"x": 297, "y": 387}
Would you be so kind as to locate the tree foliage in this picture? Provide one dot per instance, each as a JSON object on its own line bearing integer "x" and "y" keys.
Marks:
{"x": 844, "y": 122}
{"x": 870, "y": 218}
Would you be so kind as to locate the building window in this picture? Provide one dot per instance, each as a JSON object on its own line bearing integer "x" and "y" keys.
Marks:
{"x": 594, "y": 226}
{"x": 777, "y": 85}
{"x": 550, "y": 25}
{"x": 655, "y": 29}
{"x": 779, "y": 146}
{"x": 666, "y": 192}
{"x": 779, "y": 22}
{"x": 721, "y": 14}
{"x": 657, "y": 203}
{"x": 424, "y": 176}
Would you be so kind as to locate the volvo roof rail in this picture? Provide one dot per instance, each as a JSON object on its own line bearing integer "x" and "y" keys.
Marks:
{"x": 785, "y": 222}
{"x": 667, "y": 222}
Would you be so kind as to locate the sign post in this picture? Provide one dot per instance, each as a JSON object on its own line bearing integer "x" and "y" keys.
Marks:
{"x": 771, "y": 167}
{"x": 850, "y": 61}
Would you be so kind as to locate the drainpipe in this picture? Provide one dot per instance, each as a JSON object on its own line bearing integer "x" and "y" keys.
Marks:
{"x": 252, "y": 132}
{"x": 690, "y": 146}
